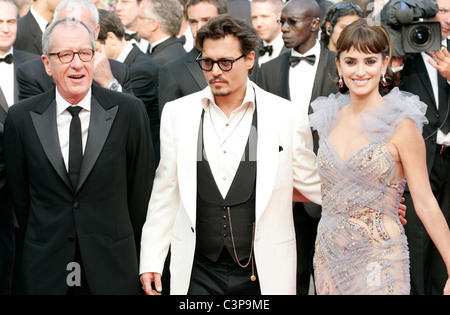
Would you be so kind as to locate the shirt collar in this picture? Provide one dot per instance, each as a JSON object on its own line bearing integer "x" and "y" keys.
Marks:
{"x": 62, "y": 104}
{"x": 124, "y": 54}
{"x": 315, "y": 50}
{"x": 208, "y": 97}
{"x": 39, "y": 19}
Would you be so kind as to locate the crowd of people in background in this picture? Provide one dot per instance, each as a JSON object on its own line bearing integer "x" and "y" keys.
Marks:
{"x": 169, "y": 92}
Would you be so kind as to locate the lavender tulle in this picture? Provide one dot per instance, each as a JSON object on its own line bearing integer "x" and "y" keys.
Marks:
{"x": 361, "y": 247}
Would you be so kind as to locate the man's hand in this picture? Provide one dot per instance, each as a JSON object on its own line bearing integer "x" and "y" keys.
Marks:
{"x": 402, "y": 212}
{"x": 441, "y": 61}
{"x": 102, "y": 69}
{"x": 147, "y": 279}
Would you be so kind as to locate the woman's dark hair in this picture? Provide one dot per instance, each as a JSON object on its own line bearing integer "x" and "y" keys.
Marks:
{"x": 334, "y": 13}
{"x": 368, "y": 38}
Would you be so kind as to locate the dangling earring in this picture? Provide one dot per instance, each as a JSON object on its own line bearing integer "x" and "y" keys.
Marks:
{"x": 341, "y": 82}
{"x": 383, "y": 81}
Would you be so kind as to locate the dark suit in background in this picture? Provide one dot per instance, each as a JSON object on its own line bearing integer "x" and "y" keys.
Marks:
{"x": 6, "y": 227}
{"x": 306, "y": 215}
{"x": 20, "y": 57}
{"x": 29, "y": 35}
{"x": 144, "y": 81}
{"x": 167, "y": 51}
{"x": 7, "y": 221}
{"x": 33, "y": 80}
{"x": 102, "y": 216}
{"x": 428, "y": 273}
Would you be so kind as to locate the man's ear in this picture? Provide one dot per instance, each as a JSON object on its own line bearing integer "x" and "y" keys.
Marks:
{"x": 46, "y": 60}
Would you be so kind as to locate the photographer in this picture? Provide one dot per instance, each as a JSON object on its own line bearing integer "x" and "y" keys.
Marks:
{"x": 427, "y": 74}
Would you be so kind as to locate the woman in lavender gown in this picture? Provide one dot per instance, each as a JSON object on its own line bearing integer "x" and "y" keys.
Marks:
{"x": 370, "y": 144}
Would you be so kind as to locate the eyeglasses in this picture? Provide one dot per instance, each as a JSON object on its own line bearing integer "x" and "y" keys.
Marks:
{"x": 67, "y": 55}
{"x": 224, "y": 64}
{"x": 293, "y": 22}
{"x": 343, "y": 5}
{"x": 149, "y": 19}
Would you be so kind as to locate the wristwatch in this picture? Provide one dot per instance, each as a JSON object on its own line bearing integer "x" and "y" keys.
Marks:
{"x": 113, "y": 85}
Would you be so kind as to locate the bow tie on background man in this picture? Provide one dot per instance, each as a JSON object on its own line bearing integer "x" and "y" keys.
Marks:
{"x": 267, "y": 49}
{"x": 311, "y": 59}
{"x": 130, "y": 36}
{"x": 8, "y": 59}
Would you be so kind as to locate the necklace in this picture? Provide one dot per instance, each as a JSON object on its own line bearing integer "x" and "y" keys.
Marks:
{"x": 250, "y": 258}
{"x": 234, "y": 129}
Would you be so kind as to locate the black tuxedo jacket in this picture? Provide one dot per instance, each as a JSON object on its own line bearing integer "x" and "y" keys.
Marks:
{"x": 276, "y": 75}
{"x": 415, "y": 79}
{"x": 103, "y": 214}
{"x": 33, "y": 80}
{"x": 183, "y": 76}
{"x": 20, "y": 57}
{"x": 29, "y": 35}
{"x": 144, "y": 81}
{"x": 167, "y": 51}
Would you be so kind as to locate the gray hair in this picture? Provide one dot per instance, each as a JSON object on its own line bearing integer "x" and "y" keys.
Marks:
{"x": 14, "y": 5}
{"x": 168, "y": 13}
{"x": 47, "y": 40}
{"x": 75, "y": 7}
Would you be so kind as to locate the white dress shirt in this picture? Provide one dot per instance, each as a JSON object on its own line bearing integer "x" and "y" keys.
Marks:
{"x": 225, "y": 138}
{"x": 7, "y": 79}
{"x": 63, "y": 119}
{"x": 301, "y": 77}
{"x": 443, "y": 139}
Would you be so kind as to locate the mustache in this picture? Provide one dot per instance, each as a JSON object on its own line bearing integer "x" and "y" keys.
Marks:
{"x": 219, "y": 78}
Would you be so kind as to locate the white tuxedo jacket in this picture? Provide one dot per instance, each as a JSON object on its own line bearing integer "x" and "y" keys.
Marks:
{"x": 284, "y": 159}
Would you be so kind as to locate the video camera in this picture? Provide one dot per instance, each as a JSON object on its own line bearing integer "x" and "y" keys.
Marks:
{"x": 409, "y": 33}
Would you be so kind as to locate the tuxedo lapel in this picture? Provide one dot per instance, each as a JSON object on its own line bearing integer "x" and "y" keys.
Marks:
{"x": 420, "y": 68}
{"x": 187, "y": 161}
{"x": 99, "y": 127}
{"x": 3, "y": 107}
{"x": 267, "y": 154}
{"x": 194, "y": 69}
{"x": 284, "y": 90}
{"x": 131, "y": 55}
{"x": 44, "y": 121}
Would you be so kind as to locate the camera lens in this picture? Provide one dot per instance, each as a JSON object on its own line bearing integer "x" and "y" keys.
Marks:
{"x": 421, "y": 35}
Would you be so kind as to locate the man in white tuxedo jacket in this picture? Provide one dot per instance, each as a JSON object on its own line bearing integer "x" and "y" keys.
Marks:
{"x": 231, "y": 157}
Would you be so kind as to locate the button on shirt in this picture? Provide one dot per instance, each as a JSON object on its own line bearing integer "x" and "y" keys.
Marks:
{"x": 63, "y": 119}
{"x": 225, "y": 138}
{"x": 301, "y": 77}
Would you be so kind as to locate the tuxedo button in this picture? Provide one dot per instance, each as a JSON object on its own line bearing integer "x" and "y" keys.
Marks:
{"x": 71, "y": 238}
{"x": 76, "y": 205}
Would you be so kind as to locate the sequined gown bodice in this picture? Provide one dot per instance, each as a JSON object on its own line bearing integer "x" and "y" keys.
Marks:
{"x": 361, "y": 247}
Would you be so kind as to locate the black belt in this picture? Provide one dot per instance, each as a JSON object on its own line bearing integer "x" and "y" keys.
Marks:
{"x": 443, "y": 149}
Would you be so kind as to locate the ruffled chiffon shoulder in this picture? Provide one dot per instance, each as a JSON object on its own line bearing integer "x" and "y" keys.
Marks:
{"x": 377, "y": 123}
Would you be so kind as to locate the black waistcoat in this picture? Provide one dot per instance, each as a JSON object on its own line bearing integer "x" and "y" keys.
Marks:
{"x": 213, "y": 225}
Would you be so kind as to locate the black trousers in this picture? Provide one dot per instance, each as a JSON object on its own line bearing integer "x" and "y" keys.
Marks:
{"x": 223, "y": 277}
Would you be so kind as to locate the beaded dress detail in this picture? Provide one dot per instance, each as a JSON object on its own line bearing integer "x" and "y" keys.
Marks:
{"x": 361, "y": 247}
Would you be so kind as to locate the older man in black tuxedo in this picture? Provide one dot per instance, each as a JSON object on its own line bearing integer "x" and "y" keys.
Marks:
{"x": 80, "y": 170}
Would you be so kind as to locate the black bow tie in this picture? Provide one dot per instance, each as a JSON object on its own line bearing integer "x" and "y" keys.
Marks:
{"x": 131, "y": 36}
{"x": 267, "y": 49}
{"x": 311, "y": 59}
{"x": 8, "y": 59}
